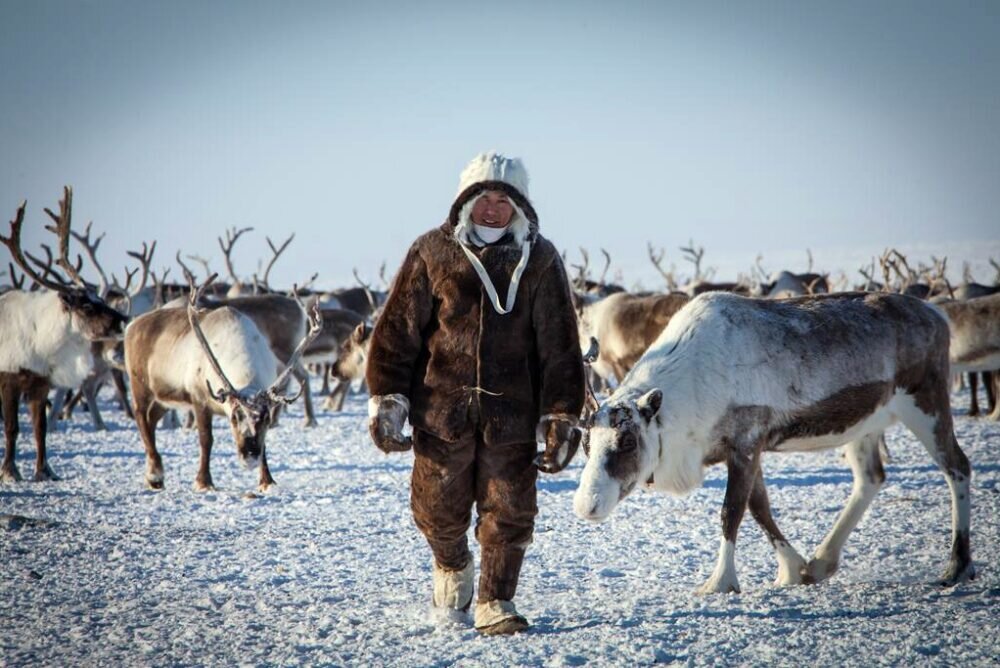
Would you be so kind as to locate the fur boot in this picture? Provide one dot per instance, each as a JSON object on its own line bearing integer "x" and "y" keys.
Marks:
{"x": 453, "y": 589}
{"x": 499, "y": 618}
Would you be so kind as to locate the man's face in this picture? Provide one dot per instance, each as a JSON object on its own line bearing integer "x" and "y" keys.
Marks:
{"x": 492, "y": 209}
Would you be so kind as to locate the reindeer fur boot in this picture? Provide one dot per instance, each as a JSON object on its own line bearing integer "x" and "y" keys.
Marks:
{"x": 453, "y": 590}
{"x": 495, "y": 611}
{"x": 495, "y": 618}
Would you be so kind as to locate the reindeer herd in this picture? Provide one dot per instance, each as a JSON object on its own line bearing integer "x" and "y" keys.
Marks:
{"x": 700, "y": 373}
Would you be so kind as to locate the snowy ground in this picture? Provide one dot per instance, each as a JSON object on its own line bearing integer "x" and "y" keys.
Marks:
{"x": 329, "y": 569}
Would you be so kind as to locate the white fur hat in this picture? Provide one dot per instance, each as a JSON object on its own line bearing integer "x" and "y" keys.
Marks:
{"x": 493, "y": 166}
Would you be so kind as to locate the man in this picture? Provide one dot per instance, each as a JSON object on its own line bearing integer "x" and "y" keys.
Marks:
{"x": 478, "y": 345}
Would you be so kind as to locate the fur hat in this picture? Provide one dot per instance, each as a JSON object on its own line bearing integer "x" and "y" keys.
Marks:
{"x": 493, "y": 166}
{"x": 493, "y": 171}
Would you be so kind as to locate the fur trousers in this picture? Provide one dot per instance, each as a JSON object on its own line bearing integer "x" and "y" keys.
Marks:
{"x": 449, "y": 478}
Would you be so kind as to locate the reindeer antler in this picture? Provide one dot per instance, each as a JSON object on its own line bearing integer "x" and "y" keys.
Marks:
{"x": 13, "y": 244}
{"x": 657, "y": 259}
{"x": 17, "y": 284}
{"x": 193, "y": 314}
{"x": 607, "y": 265}
{"x": 203, "y": 262}
{"x": 91, "y": 249}
{"x": 158, "y": 296}
{"x": 62, "y": 230}
{"x": 367, "y": 289}
{"x": 275, "y": 253}
{"x": 145, "y": 258}
{"x": 232, "y": 236}
{"x": 694, "y": 255}
{"x": 315, "y": 319}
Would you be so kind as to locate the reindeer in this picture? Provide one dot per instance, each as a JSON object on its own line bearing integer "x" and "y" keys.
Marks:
{"x": 975, "y": 341}
{"x": 731, "y": 378}
{"x": 47, "y": 336}
{"x": 175, "y": 357}
{"x": 351, "y": 364}
{"x": 338, "y": 325}
{"x": 624, "y": 325}
{"x": 279, "y": 318}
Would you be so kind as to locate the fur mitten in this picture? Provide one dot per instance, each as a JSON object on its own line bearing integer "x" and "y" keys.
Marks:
{"x": 386, "y": 417}
{"x": 562, "y": 439}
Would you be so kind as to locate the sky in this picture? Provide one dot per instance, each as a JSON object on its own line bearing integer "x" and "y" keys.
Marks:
{"x": 749, "y": 128}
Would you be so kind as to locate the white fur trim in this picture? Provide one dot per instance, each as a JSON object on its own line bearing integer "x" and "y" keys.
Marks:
{"x": 493, "y": 166}
{"x": 494, "y": 612}
{"x": 376, "y": 401}
{"x": 519, "y": 225}
{"x": 453, "y": 589}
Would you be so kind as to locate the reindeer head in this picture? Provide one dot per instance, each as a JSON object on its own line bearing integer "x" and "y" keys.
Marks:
{"x": 88, "y": 311}
{"x": 250, "y": 414}
{"x": 249, "y": 419}
{"x": 352, "y": 359}
{"x": 622, "y": 446}
{"x": 91, "y": 316}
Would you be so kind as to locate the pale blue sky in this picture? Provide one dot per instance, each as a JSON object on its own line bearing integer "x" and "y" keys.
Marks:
{"x": 751, "y": 127}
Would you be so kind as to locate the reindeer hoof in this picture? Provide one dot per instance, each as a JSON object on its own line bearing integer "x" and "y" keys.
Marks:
{"x": 309, "y": 424}
{"x": 10, "y": 474}
{"x": 719, "y": 585}
{"x": 45, "y": 474}
{"x": 818, "y": 570}
{"x": 957, "y": 573}
{"x": 711, "y": 588}
{"x": 154, "y": 484}
{"x": 202, "y": 486}
{"x": 266, "y": 487}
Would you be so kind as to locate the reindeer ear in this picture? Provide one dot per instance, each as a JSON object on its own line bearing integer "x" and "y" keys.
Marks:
{"x": 360, "y": 332}
{"x": 649, "y": 404}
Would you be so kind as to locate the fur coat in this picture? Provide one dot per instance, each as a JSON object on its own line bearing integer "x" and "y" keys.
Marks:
{"x": 440, "y": 343}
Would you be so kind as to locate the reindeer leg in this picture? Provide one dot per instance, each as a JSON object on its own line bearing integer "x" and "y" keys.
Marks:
{"x": 10, "y": 395}
{"x": 147, "y": 414}
{"x": 973, "y": 399}
{"x": 936, "y": 431}
{"x": 90, "y": 388}
{"x": 266, "y": 481}
{"x": 991, "y": 381}
{"x": 303, "y": 379}
{"x": 790, "y": 562}
{"x": 37, "y": 395}
{"x": 339, "y": 395}
{"x": 866, "y": 465}
{"x": 72, "y": 399}
{"x": 325, "y": 390}
{"x": 742, "y": 465}
{"x": 203, "y": 418}
{"x": 56, "y": 409}
{"x": 122, "y": 391}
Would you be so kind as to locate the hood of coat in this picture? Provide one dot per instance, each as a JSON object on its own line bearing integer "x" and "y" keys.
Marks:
{"x": 493, "y": 171}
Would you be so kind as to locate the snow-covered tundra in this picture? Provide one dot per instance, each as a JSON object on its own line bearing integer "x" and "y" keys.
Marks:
{"x": 731, "y": 378}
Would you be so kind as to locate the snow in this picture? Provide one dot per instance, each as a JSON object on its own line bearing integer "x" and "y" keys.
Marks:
{"x": 329, "y": 569}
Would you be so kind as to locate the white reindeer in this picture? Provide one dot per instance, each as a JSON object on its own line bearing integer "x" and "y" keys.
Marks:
{"x": 731, "y": 378}
{"x": 47, "y": 338}
{"x": 174, "y": 359}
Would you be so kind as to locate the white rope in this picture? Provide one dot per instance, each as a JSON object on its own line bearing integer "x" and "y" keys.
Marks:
{"x": 515, "y": 279}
